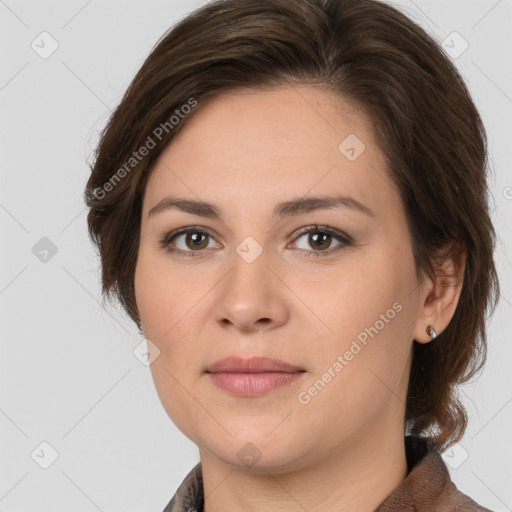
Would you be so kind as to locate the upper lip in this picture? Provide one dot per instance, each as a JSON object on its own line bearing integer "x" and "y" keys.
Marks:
{"x": 235, "y": 364}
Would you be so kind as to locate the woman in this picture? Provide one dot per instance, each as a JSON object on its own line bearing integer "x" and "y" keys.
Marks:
{"x": 291, "y": 203}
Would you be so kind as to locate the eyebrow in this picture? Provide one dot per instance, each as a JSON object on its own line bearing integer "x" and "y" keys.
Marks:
{"x": 286, "y": 209}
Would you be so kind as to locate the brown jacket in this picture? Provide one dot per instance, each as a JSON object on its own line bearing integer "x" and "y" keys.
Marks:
{"x": 426, "y": 488}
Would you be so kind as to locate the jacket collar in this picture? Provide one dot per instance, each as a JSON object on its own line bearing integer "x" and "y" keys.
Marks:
{"x": 427, "y": 486}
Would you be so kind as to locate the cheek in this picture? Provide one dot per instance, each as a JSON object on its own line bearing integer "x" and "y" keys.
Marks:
{"x": 169, "y": 298}
{"x": 362, "y": 370}
{"x": 367, "y": 319}
{"x": 160, "y": 293}
{"x": 147, "y": 293}
{"x": 163, "y": 309}
{"x": 345, "y": 300}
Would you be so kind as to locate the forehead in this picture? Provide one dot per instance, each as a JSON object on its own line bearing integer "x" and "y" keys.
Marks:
{"x": 281, "y": 142}
{"x": 255, "y": 117}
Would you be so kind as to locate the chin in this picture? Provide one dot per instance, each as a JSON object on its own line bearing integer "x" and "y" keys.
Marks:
{"x": 255, "y": 450}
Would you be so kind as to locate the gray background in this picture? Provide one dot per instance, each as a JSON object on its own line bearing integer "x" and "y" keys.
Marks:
{"x": 69, "y": 376}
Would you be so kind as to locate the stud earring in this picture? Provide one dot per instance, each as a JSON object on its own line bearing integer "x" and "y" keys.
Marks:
{"x": 431, "y": 332}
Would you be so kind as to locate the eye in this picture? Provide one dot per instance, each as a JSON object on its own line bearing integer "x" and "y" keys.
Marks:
{"x": 191, "y": 237}
{"x": 191, "y": 242}
{"x": 321, "y": 237}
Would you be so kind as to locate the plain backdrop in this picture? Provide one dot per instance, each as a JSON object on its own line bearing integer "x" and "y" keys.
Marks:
{"x": 81, "y": 426}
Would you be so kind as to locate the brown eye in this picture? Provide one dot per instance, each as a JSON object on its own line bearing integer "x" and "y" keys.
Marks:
{"x": 187, "y": 241}
{"x": 192, "y": 240}
{"x": 196, "y": 240}
{"x": 320, "y": 240}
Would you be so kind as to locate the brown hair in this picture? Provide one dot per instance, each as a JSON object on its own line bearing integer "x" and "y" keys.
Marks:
{"x": 425, "y": 124}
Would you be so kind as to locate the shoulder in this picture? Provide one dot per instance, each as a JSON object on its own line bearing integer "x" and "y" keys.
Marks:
{"x": 452, "y": 499}
{"x": 428, "y": 486}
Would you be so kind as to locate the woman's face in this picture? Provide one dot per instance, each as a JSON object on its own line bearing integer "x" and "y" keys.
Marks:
{"x": 341, "y": 306}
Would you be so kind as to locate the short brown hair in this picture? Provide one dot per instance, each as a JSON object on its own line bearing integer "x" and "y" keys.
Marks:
{"x": 425, "y": 123}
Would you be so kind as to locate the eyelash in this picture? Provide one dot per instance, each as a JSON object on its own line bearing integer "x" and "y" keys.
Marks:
{"x": 165, "y": 242}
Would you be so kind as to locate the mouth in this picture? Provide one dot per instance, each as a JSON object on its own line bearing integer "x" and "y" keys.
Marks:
{"x": 252, "y": 377}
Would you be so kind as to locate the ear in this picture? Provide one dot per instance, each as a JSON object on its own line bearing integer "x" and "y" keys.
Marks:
{"x": 439, "y": 297}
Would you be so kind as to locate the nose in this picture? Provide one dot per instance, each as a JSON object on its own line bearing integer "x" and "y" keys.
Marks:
{"x": 251, "y": 297}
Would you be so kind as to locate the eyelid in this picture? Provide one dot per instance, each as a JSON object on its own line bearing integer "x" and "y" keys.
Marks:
{"x": 323, "y": 229}
{"x": 200, "y": 229}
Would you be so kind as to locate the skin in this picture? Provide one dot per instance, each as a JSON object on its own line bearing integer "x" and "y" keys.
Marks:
{"x": 246, "y": 151}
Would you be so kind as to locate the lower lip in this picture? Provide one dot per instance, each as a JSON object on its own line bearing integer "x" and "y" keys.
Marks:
{"x": 253, "y": 384}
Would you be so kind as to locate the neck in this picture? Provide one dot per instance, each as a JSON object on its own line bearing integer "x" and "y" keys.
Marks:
{"x": 356, "y": 476}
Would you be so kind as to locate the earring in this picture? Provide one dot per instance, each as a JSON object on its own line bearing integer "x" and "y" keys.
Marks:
{"x": 431, "y": 332}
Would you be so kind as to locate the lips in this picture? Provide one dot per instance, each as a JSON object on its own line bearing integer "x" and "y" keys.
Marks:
{"x": 252, "y": 377}
{"x": 235, "y": 364}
